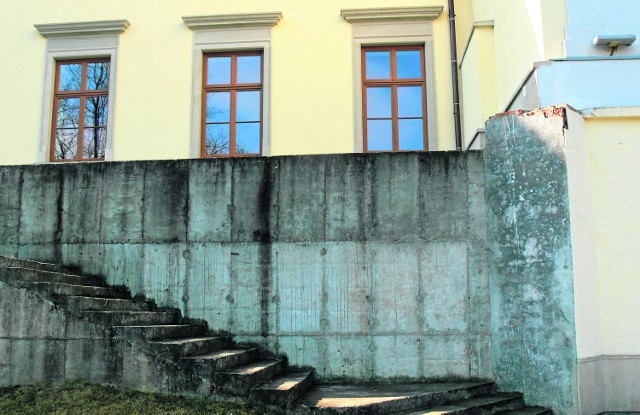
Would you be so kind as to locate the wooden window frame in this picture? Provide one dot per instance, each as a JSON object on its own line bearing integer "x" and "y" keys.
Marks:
{"x": 393, "y": 82}
{"x": 233, "y": 88}
{"x": 83, "y": 93}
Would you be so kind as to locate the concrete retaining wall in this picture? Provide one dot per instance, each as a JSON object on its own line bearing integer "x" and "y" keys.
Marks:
{"x": 363, "y": 266}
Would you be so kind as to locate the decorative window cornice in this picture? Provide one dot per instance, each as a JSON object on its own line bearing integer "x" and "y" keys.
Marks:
{"x": 391, "y": 14}
{"x": 229, "y": 21}
{"x": 104, "y": 27}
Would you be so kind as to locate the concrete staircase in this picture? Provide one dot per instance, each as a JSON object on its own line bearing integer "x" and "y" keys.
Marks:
{"x": 191, "y": 359}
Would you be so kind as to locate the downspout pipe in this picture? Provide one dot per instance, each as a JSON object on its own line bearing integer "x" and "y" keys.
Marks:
{"x": 454, "y": 75}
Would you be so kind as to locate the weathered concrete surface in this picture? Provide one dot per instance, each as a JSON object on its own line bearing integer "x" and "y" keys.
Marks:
{"x": 531, "y": 270}
{"x": 42, "y": 342}
{"x": 363, "y": 266}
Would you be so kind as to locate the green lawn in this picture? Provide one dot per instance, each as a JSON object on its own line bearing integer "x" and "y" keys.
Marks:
{"x": 81, "y": 398}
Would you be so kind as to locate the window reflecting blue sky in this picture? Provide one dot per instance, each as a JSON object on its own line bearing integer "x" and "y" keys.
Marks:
{"x": 248, "y": 138}
{"x": 248, "y": 106}
{"x": 219, "y": 70}
{"x": 408, "y": 64}
{"x": 218, "y": 106}
{"x": 411, "y": 134}
{"x": 378, "y": 65}
{"x": 249, "y": 69}
{"x": 410, "y": 101}
{"x": 379, "y": 135}
{"x": 379, "y": 102}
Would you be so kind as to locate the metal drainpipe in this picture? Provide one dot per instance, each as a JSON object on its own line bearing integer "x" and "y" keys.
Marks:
{"x": 454, "y": 75}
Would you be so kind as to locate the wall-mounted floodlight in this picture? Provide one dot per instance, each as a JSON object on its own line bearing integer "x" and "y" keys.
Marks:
{"x": 613, "y": 41}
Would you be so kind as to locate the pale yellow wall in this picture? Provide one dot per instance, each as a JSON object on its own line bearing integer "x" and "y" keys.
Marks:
{"x": 478, "y": 72}
{"x": 464, "y": 23}
{"x": 526, "y": 31}
{"x": 312, "y": 75}
{"x": 613, "y": 147}
{"x": 585, "y": 270}
{"x": 471, "y": 97}
{"x": 484, "y": 9}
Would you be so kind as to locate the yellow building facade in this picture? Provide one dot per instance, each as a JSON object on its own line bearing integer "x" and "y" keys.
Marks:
{"x": 311, "y": 54}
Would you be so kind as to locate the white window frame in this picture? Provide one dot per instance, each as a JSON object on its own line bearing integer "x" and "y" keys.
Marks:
{"x": 78, "y": 40}
{"x": 393, "y": 26}
{"x": 229, "y": 33}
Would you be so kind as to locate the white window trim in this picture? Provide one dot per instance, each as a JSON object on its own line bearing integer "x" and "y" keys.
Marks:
{"x": 78, "y": 40}
{"x": 393, "y": 26}
{"x": 225, "y": 33}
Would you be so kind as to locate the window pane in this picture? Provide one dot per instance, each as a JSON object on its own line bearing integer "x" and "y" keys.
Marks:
{"x": 96, "y": 111}
{"x": 248, "y": 138}
{"x": 218, "y": 106}
{"x": 217, "y": 139}
{"x": 379, "y": 102}
{"x": 411, "y": 134}
{"x": 66, "y": 144}
{"x": 379, "y": 135}
{"x": 68, "y": 113}
{"x": 410, "y": 101}
{"x": 408, "y": 64}
{"x": 378, "y": 65}
{"x": 98, "y": 76}
{"x": 94, "y": 142}
{"x": 70, "y": 77}
{"x": 249, "y": 69}
{"x": 219, "y": 70}
{"x": 248, "y": 106}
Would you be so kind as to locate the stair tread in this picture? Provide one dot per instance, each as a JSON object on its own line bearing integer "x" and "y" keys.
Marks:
{"x": 110, "y": 287}
{"x": 453, "y": 407}
{"x": 185, "y": 340}
{"x": 151, "y": 325}
{"x": 286, "y": 382}
{"x": 343, "y": 396}
{"x": 129, "y": 312}
{"x": 219, "y": 354}
{"x": 63, "y": 277}
{"x": 528, "y": 410}
{"x": 82, "y": 297}
{"x": 252, "y": 368}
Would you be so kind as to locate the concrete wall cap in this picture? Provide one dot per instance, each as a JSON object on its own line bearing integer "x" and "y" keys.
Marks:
{"x": 226, "y": 21}
{"x": 102, "y": 27}
{"x": 391, "y": 14}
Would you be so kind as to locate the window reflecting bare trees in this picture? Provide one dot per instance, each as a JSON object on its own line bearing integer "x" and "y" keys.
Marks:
{"x": 232, "y": 110}
{"x": 81, "y": 110}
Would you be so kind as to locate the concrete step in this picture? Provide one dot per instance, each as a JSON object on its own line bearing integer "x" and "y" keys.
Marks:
{"x": 161, "y": 331}
{"x": 35, "y": 275}
{"x": 191, "y": 346}
{"x": 529, "y": 410}
{"x": 240, "y": 380}
{"x": 223, "y": 359}
{"x": 133, "y": 318}
{"x": 57, "y": 289}
{"x": 25, "y": 263}
{"x": 483, "y": 405}
{"x": 284, "y": 390}
{"x": 389, "y": 398}
{"x": 104, "y": 304}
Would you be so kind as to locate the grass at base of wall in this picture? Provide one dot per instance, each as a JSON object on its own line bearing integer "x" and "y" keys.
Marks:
{"x": 81, "y": 398}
